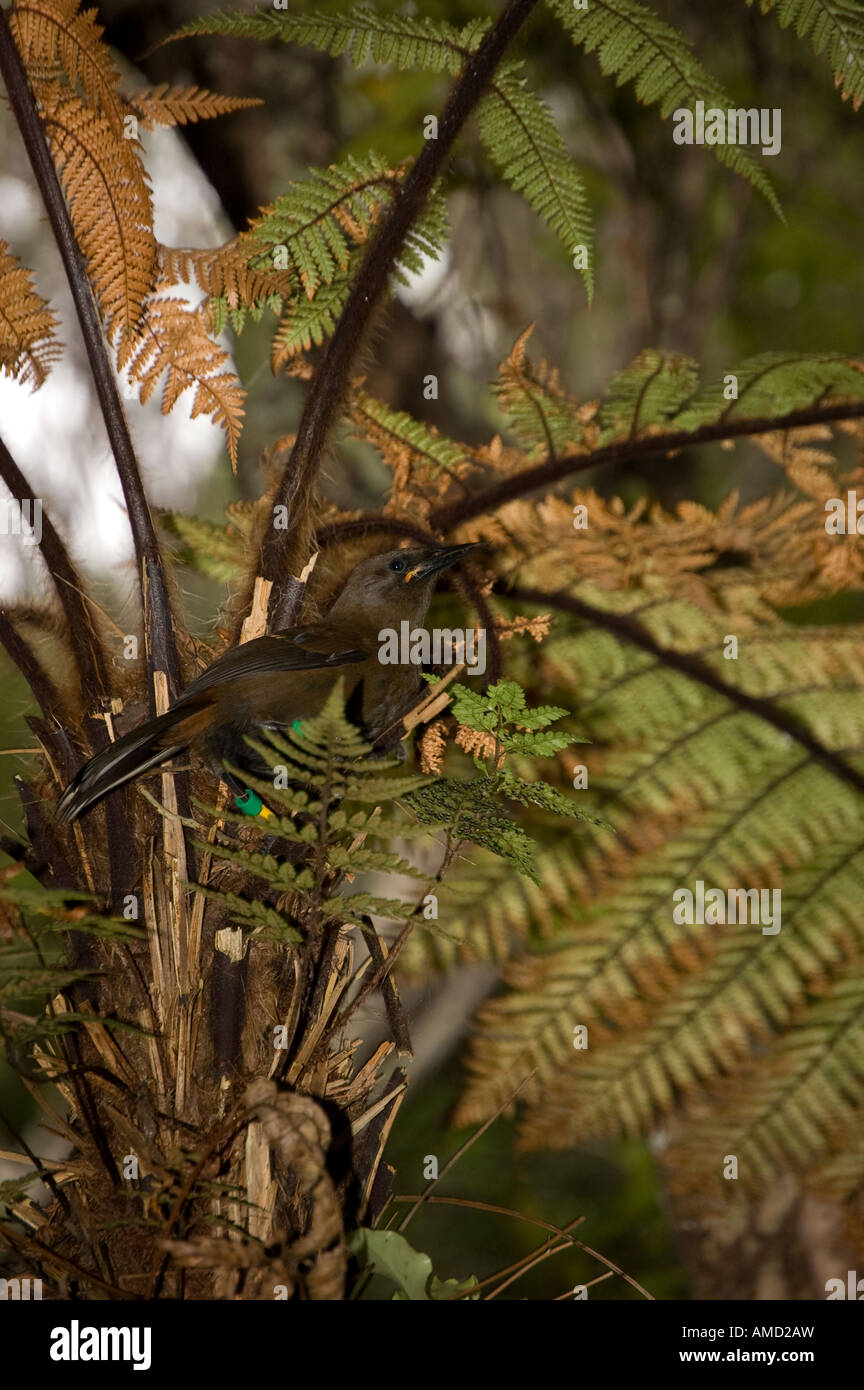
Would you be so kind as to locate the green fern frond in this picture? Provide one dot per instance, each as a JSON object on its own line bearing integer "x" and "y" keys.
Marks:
{"x": 833, "y": 27}
{"x": 695, "y": 788}
{"x": 524, "y": 143}
{"x": 541, "y": 417}
{"x": 635, "y": 45}
{"x": 405, "y": 41}
{"x": 662, "y": 390}
{"x": 772, "y": 384}
{"x": 321, "y": 774}
{"x": 298, "y": 257}
{"x": 515, "y": 125}
{"x": 469, "y": 812}
{"x": 320, "y": 220}
{"x": 647, "y": 392}
{"x": 307, "y": 321}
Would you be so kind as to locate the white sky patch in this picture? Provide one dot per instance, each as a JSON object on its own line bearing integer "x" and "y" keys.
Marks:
{"x": 56, "y": 434}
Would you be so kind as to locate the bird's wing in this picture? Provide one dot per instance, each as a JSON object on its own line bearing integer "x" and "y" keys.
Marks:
{"x": 294, "y": 649}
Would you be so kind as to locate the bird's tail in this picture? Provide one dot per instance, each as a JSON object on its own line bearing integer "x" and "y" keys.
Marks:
{"x": 136, "y": 752}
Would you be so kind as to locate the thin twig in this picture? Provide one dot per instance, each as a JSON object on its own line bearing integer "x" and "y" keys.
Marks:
{"x": 519, "y": 1265}
{"x": 463, "y": 1148}
{"x": 529, "y": 1263}
{"x": 508, "y": 1211}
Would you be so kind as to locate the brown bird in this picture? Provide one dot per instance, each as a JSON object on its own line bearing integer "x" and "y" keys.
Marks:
{"x": 272, "y": 682}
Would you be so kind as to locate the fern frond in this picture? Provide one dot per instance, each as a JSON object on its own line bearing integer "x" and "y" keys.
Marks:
{"x": 307, "y": 321}
{"x": 773, "y": 384}
{"x": 417, "y": 454}
{"x": 174, "y": 339}
{"x": 468, "y": 809}
{"x": 28, "y": 327}
{"x": 324, "y": 774}
{"x": 663, "y": 390}
{"x": 802, "y": 1105}
{"x": 650, "y": 390}
{"x": 541, "y": 417}
{"x": 833, "y": 27}
{"x": 298, "y": 256}
{"x": 695, "y": 789}
{"x": 406, "y": 41}
{"x": 524, "y": 143}
{"x": 635, "y": 45}
{"x": 59, "y": 44}
{"x": 169, "y": 106}
{"x": 109, "y": 202}
{"x": 320, "y": 220}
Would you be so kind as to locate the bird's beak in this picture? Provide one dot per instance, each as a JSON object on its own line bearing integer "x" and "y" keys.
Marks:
{"x": 440, "y": 559}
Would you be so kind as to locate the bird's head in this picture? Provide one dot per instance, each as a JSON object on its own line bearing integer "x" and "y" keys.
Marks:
{"x": 397, "y": 583}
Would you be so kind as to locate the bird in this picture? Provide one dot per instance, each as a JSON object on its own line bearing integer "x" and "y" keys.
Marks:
{"x": 277, "y": 681}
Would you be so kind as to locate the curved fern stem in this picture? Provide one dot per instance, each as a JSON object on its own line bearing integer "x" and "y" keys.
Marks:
{"x": 295, "y": 487}
{"x": 554, "y": 470}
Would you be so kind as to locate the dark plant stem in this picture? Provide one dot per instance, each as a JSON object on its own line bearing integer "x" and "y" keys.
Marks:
{"x": 326, "y": 392}
{"x": 555, "y": 470}
{"x": 627, "y": 629}
{"x": 39, "y": 682}
{"x": 82, "y": 635}
{"x": 158, "y": 625}
{"x": 443, "y": 519}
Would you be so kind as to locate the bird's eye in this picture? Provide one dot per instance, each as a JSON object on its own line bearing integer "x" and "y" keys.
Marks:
{"x": 397, "y": 565}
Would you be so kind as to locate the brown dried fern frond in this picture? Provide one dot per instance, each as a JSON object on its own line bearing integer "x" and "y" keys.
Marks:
{"x": 225, "y": 271}
{"x": 165, "y": 105}
{"x": 59, "y": 44}
{"x": 174, "y": 339}
{"x": 109, "y": 200}
{"x": 28, "y": 341}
